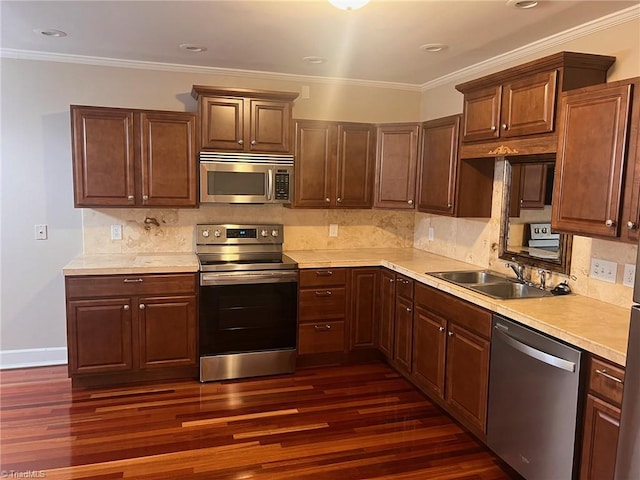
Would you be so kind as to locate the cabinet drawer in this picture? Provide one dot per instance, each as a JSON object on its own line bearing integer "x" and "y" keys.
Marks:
{"x": 606, "y": 380}
{"x": 323, "y": 277}
{"x": 404, "y": 287}
{"x": 474, "y": 318}
{"x": 322, "y": 304}
{"x": 321, "y": 337}
{"x": 112, "y": 285}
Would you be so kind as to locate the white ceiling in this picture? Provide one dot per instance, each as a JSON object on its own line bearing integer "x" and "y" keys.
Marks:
{"x": 378, "y": 43}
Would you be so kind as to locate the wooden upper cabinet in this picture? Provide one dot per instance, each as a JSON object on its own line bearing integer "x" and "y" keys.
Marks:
{"x": 592, "y": 150}
{"x": 232, "y": 120}
{"x": 529, "y": 185}
{"x": 133, "y": 158}
{"x": 438, "y": 165}
{"x": 396, "y": 165}
{"x": 334, "y": 164}
{"x": 482, "y": 114}
{"x": 630, "y": 223}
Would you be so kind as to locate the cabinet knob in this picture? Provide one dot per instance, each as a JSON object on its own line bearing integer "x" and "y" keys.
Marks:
{"x": 339, "y": 200}
{"x": 240, "y": 142}
{"x": 130, "y": 197}
{"x": 391, "y": 280}
{"x": 408, "y": 309}
{"x": 493, "y": 128}
{"x": 609, "y": 223}
{"x": 145, "y": 197}
{"x": 253, "y": 142}
{"x": 631, "y": 225}
{"x": 125, "y": 307}
{"x": 328, "y": 200}
{"x": 449, "y": 205}
{"x": 142, "y": 306}
{"x": 450, "y": 333}
{"x": 505, "y": 126}
{"x": 441, "y": 329}
{"x": 410, "y": 202}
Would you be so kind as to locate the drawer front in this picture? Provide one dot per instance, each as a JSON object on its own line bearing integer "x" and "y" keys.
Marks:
{"x": 322, "y": 304}
{"x": 115, "y": 285}
{"x": 322, "y": 337}
{"x": 404, "y": 287}
{"x": 470, "y": 316}
{"x": 606, "y": 380}
{"x": 323, "y": 277}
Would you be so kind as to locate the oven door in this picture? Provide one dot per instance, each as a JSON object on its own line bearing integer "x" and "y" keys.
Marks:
{"x": 247, "y": 311}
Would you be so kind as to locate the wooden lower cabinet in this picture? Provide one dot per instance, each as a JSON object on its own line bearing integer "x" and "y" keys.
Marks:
{"x": 387, "y": 313}
{"x": 601, "y": 420}
{"x": 363, "y": 307}
{"x": 403, "y": 341}
{"x": 118, "y": 333}
{"x": 430, "y": 340}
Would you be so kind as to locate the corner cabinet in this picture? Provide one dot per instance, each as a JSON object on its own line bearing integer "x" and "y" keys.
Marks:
{"x": 130, "y": 328}
{"x": 396, "y": 165}
{"x": 513, "y": 112}
{"x": 233, "y": 120}
{"x": 334, "y": 164}
{"x": 597, "y": 154}
{"x": 133, "y": 158}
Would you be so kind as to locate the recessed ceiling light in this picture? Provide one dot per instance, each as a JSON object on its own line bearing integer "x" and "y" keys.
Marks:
{"x": 348, "y": 4}
{"x": 433, "y": 47}
{"x": 50, "y": 32}
{"x": 522, "y": 4}
{"x": 314, "y": 60}
{"x": 193, "y": 48}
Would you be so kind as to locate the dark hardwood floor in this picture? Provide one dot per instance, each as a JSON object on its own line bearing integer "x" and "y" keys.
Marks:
{"x": 346, "y": 423}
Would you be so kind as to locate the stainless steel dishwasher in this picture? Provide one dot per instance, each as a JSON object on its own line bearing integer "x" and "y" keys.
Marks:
{"x": 534, "y": 388}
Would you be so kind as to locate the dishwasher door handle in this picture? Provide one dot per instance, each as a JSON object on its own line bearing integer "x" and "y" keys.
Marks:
{"x": 535, "y": 353}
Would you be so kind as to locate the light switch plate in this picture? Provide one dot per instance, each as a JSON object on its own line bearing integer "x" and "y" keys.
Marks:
{"x": 41, "y": 232}
{"x": 333, "y": 229}
{"x": 603, "y": 270}
{"x": 432, "y": 233}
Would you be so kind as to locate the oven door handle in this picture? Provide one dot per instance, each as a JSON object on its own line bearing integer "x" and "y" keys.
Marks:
{"x": 246, "y": 278}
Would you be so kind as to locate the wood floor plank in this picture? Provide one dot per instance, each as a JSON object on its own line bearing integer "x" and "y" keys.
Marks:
{"x": 349, "y": 423}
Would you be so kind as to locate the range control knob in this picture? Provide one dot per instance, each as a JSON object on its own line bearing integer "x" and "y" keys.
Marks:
{"x": 264, "y": 233}
{"x": 205, "y": 233}
{"x": 275, "y": 233}
{"x": 216, "y": 233}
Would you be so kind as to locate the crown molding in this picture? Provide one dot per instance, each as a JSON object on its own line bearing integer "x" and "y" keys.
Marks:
{"x": 175, "y": 67}
{"x": 617, "y": 18}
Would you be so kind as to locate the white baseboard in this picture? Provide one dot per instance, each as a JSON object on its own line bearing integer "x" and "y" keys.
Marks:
{"x": 32, "y": 357}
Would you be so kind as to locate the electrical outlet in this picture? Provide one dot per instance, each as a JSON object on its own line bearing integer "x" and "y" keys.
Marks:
{"x": 41, "y": 232}
{"x": 116, "y": 232}
{"x": 629, "y": 276}
{"x": 432, "y": 233}
{"x": 603, "y": 270}
{"x": 333, "y": 229}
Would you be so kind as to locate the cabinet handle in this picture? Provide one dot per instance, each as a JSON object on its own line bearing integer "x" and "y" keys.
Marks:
{"x": 505, "y": 126}
{"x": 606, "y": 374}
{"x": 322, "y": 327}
{"x": 130, "y": 197}
{"x": 450, "y": 333}
{"x": 631, "y": 225}
{"x": 324, "y": 273}
{"x": 133, "y": 280}
{"x": 493, "y": 128}
{"x": 441, "y": 329}
{"x": 253, "y": 142}
{"x": 339, "y": 200}
{"x": 609, "y": 223}
{"x": 323, "y": 294}
{"x": 240, "y": 142}
{"x": 142, "y": 306}
{"x": 410, "y": 202}
{"x": 125, "y": 307}
{"x": 408, "y": 309}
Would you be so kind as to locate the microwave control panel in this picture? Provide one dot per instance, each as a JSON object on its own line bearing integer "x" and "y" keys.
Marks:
{"x": 282, "y": 185}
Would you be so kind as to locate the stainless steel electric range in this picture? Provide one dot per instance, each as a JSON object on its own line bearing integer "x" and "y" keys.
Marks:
{"x": 248, "y": 302}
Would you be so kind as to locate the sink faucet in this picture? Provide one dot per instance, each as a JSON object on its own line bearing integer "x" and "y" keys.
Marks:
{"x": 518, "y": 269}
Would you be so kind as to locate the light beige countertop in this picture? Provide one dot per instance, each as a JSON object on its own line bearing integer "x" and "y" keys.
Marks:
{"x": 598, "y": 327}
{"x": 595, "y": 326}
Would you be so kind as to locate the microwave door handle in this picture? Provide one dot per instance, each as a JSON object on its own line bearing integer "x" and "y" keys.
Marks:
{"x": 269, "y": 183}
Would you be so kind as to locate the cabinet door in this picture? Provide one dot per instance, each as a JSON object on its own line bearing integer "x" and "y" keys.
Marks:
{"x": 631, "y": 209}
{"x": 363, "y": 307}
{"x": 600, "y": 441}
{"x": 270, "y": 126}
{"x": 167, "y": 331}
{"x": 481, "y": 117}
{"x": 103, "y": 150}
{"x": 587, "y": 190}
{"x": 99, "y": 335}
{"x": 355, "y": 165}
{"x": 402, "y": 352}
{"x": 529, "y": 105}
{"x": 387, "y": 313}
{"x": 467, "y": 375}
{"x": 314, "y": 152}
{"x": 222, "y": 123}
{"x": 429, "y": 339}
{"x": 168, "y": 159}
{"x": 396, "y": 157}
{"x": 438, "y": 166}
{"x": 533, "y": 182}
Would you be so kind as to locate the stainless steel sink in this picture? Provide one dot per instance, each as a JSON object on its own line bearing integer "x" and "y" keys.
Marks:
{"x": 492, "y": 284}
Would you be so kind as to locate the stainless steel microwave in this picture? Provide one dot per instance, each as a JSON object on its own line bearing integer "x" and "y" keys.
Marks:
{"x": 245, "y": 178}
